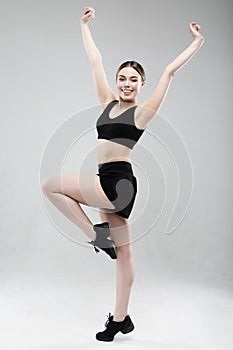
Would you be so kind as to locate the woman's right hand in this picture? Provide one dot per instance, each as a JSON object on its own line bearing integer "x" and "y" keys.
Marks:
{"x": 194, "y": 29}
{"x": 89, "y": 14}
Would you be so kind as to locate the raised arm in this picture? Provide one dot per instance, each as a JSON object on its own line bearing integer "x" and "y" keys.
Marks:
{"x": 154, "y": 102}
{"x": 104, "y": 91}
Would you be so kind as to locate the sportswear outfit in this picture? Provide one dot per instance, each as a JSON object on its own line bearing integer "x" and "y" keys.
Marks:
{"x": 120, "y": 186}
{"x": 117, "y": 178}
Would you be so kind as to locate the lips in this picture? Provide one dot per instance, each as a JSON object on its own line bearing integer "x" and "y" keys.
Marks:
{"x": 127, "y": 91}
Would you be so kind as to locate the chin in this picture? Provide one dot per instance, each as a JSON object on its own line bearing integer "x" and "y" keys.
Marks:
{"x": 127, "y": 98}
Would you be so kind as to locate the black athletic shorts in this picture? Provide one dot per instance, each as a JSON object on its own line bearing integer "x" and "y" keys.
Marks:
{"x": 119, "y": 185}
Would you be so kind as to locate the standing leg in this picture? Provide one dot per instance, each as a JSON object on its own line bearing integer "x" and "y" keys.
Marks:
{"x": 125, "y": 273}
{"x": 67, "y": 191}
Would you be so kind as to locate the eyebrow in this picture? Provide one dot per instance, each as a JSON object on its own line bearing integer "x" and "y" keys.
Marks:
{"x": 132, "y": 76}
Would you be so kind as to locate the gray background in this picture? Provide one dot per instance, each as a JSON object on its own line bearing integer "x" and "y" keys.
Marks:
{"x": 55, "y": 293}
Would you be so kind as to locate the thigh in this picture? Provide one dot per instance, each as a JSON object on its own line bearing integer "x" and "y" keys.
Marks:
{"x": 84, "y": 188}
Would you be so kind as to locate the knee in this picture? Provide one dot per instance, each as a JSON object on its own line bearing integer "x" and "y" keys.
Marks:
{"x": 124, "y": 254}
{"x": 46, "y": 185}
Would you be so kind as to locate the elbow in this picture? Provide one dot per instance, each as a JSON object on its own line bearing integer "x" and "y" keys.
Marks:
{"x": 169, "y": 71}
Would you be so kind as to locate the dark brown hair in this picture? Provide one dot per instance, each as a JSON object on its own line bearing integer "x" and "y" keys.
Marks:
{"x": 134, "y": 65}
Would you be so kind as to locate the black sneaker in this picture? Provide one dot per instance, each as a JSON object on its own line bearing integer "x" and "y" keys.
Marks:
{"x": 101, "y": 241}
{"x": 113, "y": 327}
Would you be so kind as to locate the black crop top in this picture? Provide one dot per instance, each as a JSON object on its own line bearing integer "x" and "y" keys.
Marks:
{"x": 120, "y": 129}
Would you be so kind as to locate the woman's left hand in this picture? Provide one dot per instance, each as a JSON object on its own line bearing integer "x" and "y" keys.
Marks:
{"x": 194, "y": 28}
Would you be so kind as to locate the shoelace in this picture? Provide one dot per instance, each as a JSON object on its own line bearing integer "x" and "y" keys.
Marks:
{"x": 93, "y": 243}
{"x": 108, "y": 320}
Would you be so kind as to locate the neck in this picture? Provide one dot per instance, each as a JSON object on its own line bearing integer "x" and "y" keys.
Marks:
{"x": 126, "y": 104}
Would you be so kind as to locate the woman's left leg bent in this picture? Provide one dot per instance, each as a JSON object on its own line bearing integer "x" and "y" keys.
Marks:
{"x": 67, "y": 191}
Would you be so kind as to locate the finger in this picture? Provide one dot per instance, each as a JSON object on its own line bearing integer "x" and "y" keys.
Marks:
{"x": 191, "y": 26}
{"x": 89, "y": 8}
{"x": 194, "y": 27}
{"x": 89, "y": 13}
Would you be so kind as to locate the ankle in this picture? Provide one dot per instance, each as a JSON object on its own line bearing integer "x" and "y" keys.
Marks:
{"x": 119, "y": 318}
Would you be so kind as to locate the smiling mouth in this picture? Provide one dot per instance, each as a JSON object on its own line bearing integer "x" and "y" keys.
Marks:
{"x": 127, "y": 91}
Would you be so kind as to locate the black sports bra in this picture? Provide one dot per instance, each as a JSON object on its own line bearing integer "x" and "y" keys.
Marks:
{"x": 120, "y": 129}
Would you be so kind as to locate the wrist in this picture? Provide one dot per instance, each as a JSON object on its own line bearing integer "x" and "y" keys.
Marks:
{"x": 83, "y": 23}
{"x": 199, "y": 39}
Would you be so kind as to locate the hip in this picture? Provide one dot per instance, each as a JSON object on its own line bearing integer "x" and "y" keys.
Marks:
{"x": 116, "y": 168}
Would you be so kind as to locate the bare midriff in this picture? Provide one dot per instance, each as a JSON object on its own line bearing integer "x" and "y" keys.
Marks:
{"x": 109, "y": 151}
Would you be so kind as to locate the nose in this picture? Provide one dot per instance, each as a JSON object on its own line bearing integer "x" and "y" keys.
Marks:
{"x": 127, "y": 83}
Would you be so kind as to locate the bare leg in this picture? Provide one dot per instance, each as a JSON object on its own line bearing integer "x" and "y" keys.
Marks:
{"x": 67, "y": 191}
{"x": 120, "y": 233}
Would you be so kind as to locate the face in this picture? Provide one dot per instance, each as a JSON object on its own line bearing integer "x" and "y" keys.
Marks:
{"x": 129, "y": 83}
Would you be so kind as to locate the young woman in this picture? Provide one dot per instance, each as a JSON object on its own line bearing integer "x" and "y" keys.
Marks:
{"x": 113, "y": 190}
